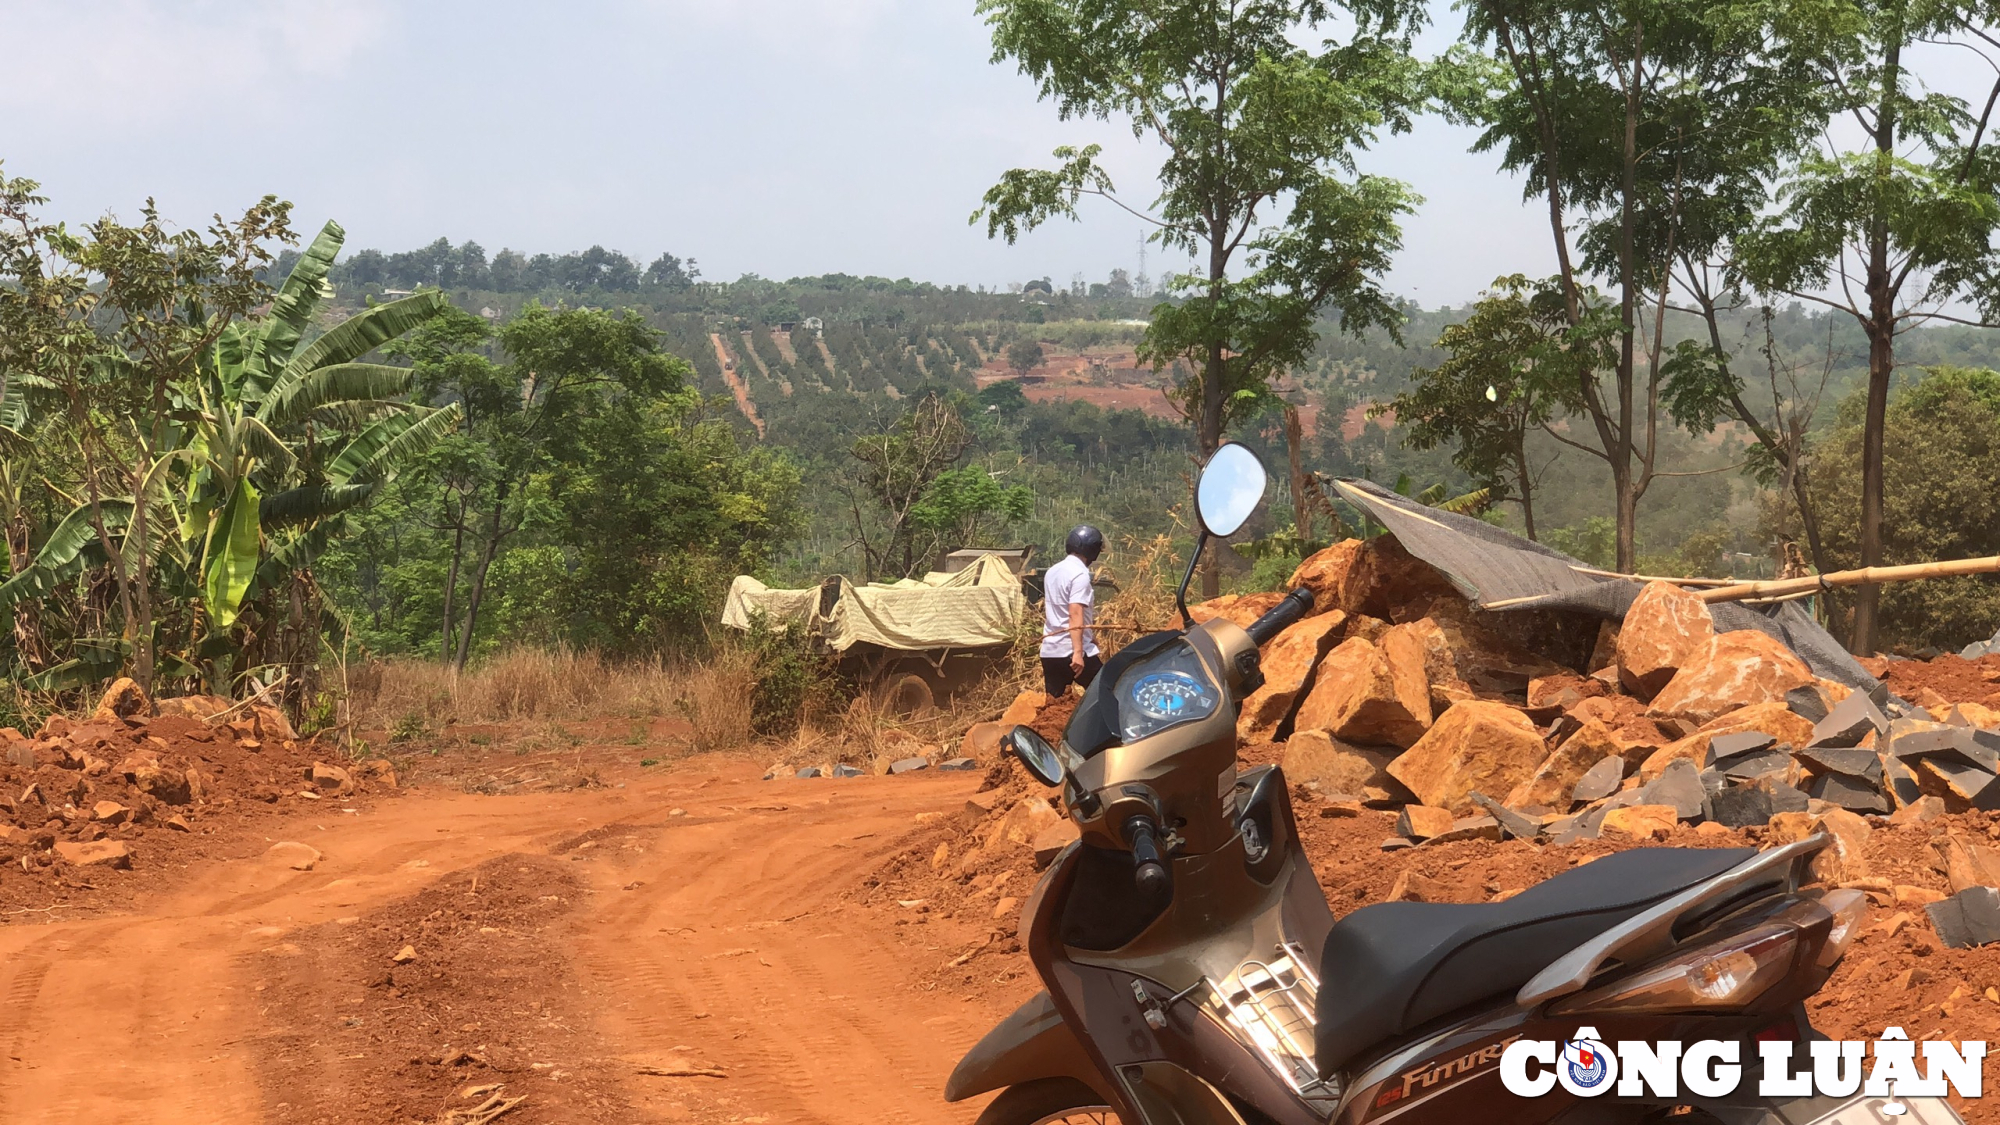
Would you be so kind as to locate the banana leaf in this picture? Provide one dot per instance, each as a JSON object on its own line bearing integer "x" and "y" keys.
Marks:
{"x": 309, "y": 502}
{"x": 364, "y": 332}
{"x": 296, "y": 397}
{"x": 231, "y": 557}
{"x": 61, "y": 555}
{"x": 381, "y": 449}
{"x": 291, "y": 311}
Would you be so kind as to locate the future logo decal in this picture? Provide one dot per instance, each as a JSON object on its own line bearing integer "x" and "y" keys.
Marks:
{"x": 1586, "y": 1066}
{"x": 1427, "y": 1077}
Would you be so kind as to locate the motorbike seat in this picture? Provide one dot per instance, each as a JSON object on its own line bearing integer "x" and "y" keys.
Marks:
{"x": 1390, "y": 968}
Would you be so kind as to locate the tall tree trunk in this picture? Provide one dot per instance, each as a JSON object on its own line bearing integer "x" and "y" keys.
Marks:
{"x": 1301, "y": 510}
{"x": 1621, "y": 453}
{"x": 477, "y": 595}
{"x": 1881, "y": 329}
{"x": 1527, "y": 488}
{"x": 1809, "y": 519}
{"x": 451, "y": 578}
{"x": 1213, "y": 400}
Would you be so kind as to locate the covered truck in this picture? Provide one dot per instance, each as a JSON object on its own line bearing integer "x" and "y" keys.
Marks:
{"x": 923, "y": 637}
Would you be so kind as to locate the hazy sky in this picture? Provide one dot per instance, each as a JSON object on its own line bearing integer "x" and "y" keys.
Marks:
{"x": 781, "y": 137}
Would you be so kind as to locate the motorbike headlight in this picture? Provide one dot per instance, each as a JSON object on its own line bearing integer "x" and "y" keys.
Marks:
{"x": 1727, "y": 974}
{"x": 1847, "y": 908}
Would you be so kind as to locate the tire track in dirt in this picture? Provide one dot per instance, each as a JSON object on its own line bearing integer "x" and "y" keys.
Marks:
{"x": 158, "y": 1015}
{"x": 744, "y": 954}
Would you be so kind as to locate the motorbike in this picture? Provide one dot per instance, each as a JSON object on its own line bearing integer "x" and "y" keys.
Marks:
{"x": 1194, "y": 973}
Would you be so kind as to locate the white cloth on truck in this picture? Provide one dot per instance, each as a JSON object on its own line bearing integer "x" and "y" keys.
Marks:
{"x": 972, "y": 608}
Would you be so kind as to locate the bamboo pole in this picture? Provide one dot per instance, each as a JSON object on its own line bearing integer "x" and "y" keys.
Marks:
{"x": 1868, "y": 576}
{"x": 1596, "y": 573}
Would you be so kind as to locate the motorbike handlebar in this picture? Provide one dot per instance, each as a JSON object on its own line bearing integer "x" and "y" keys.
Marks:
{"x": 1149, "y": 873}
{"x": 1282, "y": 616}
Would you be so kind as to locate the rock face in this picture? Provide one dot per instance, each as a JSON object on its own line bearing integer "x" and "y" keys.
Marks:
{"x": 1240, "y": 609}
{"x": 1330, "y": 575}
{"x": 1735, "y": 670}
{"x": 1025, "y": 821}
{"x": 124, "y": 699}
{"x": 1313, "y": 756}
{"x": 1026, "y": 708}
{"x": 193, "y": 706}
{"x": 1554, "y": 780}
{"x": 1375, "y": 695}
{"x": 1666, "y": 627}
{"x": 1640, "y": 822}
{"x": 1476, "y": 745}
{"x": 1288, "y": 662}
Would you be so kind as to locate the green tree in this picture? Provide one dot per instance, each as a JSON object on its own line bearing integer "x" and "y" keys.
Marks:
{"x": 1893, "y": 219}
{"x": 1643, "y": 124}
{"x": 1024, "y": 355}
{"x": 1509, "y": 372}
{"x": 1942, "y": 453}
{"x": 1259, "y": 183}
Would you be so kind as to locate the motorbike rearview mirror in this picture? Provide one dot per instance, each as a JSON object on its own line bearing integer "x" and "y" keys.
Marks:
{"x": 1232, "y": 485}
{"x": 1036, "y": 754}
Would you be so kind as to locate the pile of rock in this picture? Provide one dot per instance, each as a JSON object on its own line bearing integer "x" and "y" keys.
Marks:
{"x": 1397, "y": 693}
{"x": 81, "y": 794}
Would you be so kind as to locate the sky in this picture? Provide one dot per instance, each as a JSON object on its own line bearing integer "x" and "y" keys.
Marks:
{"x": 777, "y": 137}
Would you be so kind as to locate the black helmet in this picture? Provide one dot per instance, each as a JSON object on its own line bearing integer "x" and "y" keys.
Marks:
{"x": 1085, "y": 542}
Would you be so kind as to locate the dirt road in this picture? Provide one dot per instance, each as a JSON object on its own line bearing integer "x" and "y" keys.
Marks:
{"x": 737, "y": 385}
{"x": 717, "y": 936}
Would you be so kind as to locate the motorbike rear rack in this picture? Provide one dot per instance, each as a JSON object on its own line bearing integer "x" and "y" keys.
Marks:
{"x": 1271, "y": 1007}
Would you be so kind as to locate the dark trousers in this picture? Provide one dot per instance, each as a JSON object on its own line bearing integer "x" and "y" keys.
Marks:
{"x": 1057, "y": 675}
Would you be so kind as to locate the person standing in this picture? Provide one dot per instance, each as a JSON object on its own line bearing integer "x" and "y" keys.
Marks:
{"x": 1069, "y": 612}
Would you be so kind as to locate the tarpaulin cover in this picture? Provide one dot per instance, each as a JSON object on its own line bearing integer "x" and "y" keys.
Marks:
{"x": 1489, "y": 565}
{"x": 980, "y": 605}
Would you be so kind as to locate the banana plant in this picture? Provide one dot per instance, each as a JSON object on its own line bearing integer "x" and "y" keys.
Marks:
{"x": 288, "y": 435}
{"x": 271, "y": 443}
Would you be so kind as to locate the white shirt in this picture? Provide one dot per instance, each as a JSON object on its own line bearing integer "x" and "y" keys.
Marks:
{"x": 1066, "y": 582}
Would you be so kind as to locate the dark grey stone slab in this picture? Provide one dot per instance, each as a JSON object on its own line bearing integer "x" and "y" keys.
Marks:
{"x": 1849, "y": 721}
{"x": 1969, "y": 918}
{"x": 1862, "y": 764}
{"x": 1600, "y": 781}
{"x": 1850, "y": 793}
{"x": 1678, "y": 785}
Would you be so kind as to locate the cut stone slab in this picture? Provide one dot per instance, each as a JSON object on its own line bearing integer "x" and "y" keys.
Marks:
{"x": 1511, "y": 822}
{"x": 1899, "y": 780}
{"x": 1848, "y": 722}
{"x": 1740, "y": 806}
{"x": 1469, "y": 828}
{"x": 959, "y": 764}
{"x": 845, "y": 770}
{"x": 1918, "y": 811}
{"x": 1862, "y": 765}
{"x": 1555, "y": 779}
{"x": 1784, "y": 797}
{"x": 1968, "y": 918}
{"x": 909, "y": 765}
{"x": 1909, "y": 738}
{"x": 1972, "y": 786}
{"x": 1851, "y": 793}
{"x": 1050, "y": 841}
{"x": 97, "y": 853}
{"x": 1600, "y": 781}
{"x": 1748, "y": 767}
{"x": 809, "y": 771}
{"x": 1421, "y": 822}
{"x": 1679, "y": 787}
{"x": 1737, "y": 743}
{"x": 1640, "y": 822}
{"x": 1807, "y": 702}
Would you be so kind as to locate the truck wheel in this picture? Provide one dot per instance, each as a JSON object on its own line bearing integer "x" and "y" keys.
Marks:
{"x": 1049, "y": 1101}
{"x": 910, "y": 698}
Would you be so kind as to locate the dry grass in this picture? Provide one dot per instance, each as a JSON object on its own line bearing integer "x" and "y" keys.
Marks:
{"x": 546, "y": 688}
{"x": 541, "y": 690}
